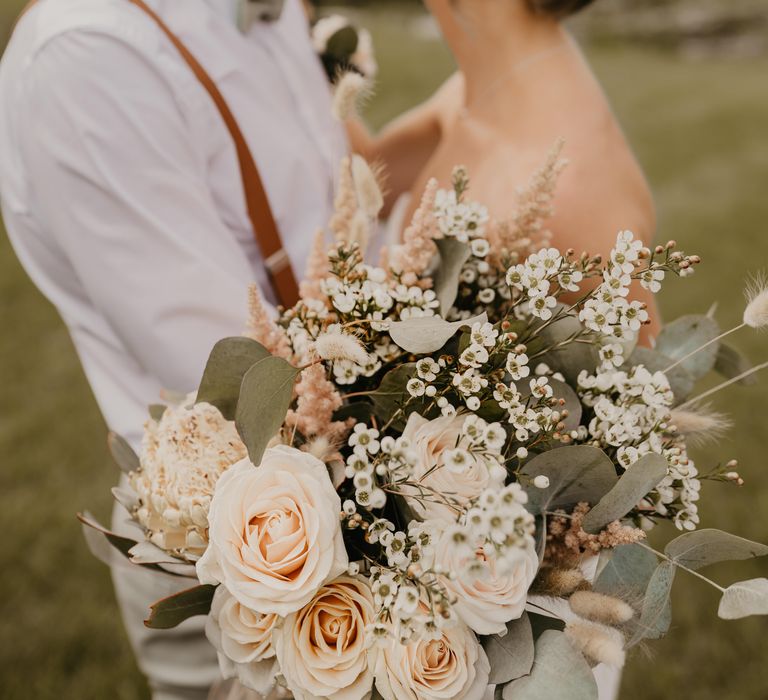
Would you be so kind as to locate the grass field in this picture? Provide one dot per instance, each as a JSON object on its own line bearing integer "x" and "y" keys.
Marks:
{"x": 701, "y": 131}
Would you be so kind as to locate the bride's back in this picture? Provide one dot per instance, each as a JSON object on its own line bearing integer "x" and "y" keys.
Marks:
{"x": 524, "y": 85}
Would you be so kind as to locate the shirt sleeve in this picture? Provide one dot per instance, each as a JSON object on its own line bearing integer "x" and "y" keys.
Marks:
{"x": 122, "y": 188}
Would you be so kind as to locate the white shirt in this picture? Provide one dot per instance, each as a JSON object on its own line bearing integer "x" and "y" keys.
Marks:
{"x": 120, "y": 186}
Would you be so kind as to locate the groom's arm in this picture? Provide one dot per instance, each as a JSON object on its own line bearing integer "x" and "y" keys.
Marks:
{"x": 405, "y": 145}
{"x": 121, "y": 188}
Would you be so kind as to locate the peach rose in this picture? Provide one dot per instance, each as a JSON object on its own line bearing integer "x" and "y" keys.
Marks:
{"x": 488, "y": 602}
{"x": 322, "y": 648}
{"x": 243, "y": 640}
{"x": 453, "y": 667}
{"x": 430, "y": 439}
{"x": 275, "y": 536}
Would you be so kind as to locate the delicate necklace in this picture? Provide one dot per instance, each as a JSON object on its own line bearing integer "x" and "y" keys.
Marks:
{"x": 514, "y": 69}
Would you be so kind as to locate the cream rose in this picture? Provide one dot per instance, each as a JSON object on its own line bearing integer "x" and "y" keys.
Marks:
{"x": 430, "y": 440}
{"x": 453, "y": 667}
{"x": 275, "y": 535}
{"x": 489, "y": 601}
{"x": 322, "y": 648}
{"x": 243, "y": 640}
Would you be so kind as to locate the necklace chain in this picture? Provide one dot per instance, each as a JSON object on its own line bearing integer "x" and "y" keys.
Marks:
{"x": 514, "y": 69}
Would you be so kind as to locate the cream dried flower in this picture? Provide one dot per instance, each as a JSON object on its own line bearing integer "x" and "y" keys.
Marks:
{"x": 756, "y": 312}
{"x": 600, "y": 608}
{"x": 338, "y": 346}
{"x": 351, "y": 89}
{"x": 699, "y": 424}
{"x": 183, "y": 456}
{"x": 369, "y": 196}
{"x": 598, "y": 643}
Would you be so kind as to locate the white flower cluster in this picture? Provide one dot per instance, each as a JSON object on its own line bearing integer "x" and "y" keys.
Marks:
{"x": 534, "y": 279}
{"x": 631, "y": 415}
{"x": 464, "y": 221}
{"x": 609, "y": 312}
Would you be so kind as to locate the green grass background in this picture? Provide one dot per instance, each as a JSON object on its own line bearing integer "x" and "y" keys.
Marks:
{"x": 701, "y": 131}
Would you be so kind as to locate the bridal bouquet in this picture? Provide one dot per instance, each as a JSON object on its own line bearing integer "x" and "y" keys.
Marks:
{"x": 433, "y": 478}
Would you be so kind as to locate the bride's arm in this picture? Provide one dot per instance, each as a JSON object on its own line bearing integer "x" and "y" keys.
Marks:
{"x": 407, "y": 143}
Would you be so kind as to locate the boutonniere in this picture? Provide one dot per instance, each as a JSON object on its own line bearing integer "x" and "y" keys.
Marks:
{"x": 343, "y": 47}
{"x": 251, "y": 11}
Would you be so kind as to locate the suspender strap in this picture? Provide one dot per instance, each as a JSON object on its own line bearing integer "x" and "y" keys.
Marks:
{"x": 260, "y": 213}
{"x": 265, "y": 229}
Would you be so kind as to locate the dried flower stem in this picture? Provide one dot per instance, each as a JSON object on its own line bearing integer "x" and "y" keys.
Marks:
{"x": 725, "y": 385}
{"x": 663, "y": 556}
{"x": 704, "y": 346}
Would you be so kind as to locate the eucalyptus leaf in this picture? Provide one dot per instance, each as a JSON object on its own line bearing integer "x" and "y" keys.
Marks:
{"x": 173, "y": 610}
{"x": 453, "y": 254}
{"x": 744, "y": 599}
{"x": 731, "y": 363}
{"x": 695, "y": 550}
{"x": 559, "y": 671}
{"x": 542, "y": 623}
{"x": 391, "y": 394}
{"x": 428, "y": 334}
{"x": 635, "y": 483}
{"x": 656, "y": 613}
{"x": 627, "y": 573}
{"x": 684, "y": 336}
{"x": 510, "y": 655}
{"x": 123, "y": 453}
{"x": 573, "y": 357}
{"x": 578, "y": 473}
{"x": 680, "y": 379}
{"x": 265, "y": 398}
{"x": 227, "y": 364}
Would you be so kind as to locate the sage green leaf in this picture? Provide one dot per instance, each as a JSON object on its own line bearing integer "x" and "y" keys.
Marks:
{"x": 265, "y": 398}
{"x": 635, "y": 483}
{"x": 542, "y": 623}
{"x": 744, "y": 599}
{"x": 227, "y": 364}
{"x": 173, "y": 610}
{"x": 392, "y": 394}
{"x": 428, "y": 334}
{"x": 578, "y": 473}
{"x": 156, "y": 411}
{"x": 686, "y": 334}
{"x": 731, "y": 363}
{"x": 627, "y": 572}
{"x": 123, "y": 453}
{"x": 680, "y": 379}
{"x": 656, "y": 613}
{"x": 559, "y": 671}
{"x": 573, "y": 357}
{"x": 510, "y": 655}
{"x": 453, "y": 254}
{"x": 695, "y": 550}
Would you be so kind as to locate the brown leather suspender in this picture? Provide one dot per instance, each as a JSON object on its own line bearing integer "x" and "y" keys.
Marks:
{"x": 265, "y": 229}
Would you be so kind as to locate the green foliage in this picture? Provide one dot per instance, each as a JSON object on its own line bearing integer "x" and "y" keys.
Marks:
{"x": 686, "y": 334}
{"x": 744, "y": 599}
{"x": 227, "y": 364}
{"x": 510, "y": 655}
{"x": 701, "y": 548}
{"x": 452, "y": 256}
{"x": 656, "y": 613}
{"x": 731, "y": 363}
{"x": 635, "y": 483}
{"x": 579, "y": 473}
{"x": 428, "y": 334}
{"x": 172, "y": 611}
{"x": 573, "y": 357}
{"x": 559, "y": 671}
{"x": 122, "y": 453}
{"x": 265, "y": 397}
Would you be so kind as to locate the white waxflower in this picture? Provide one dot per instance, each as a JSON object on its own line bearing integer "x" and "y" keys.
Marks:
{"x": 474, "y": 356}
{"x": 343, "y": 302}
{"x": 517, "y": 366}
{"x": 365, "y": 437}
{"x": 183, "y": 455}
{"x": 598, "y": 316}
{"x": 427, "y": 369}
{"x": 484, "y": 334}
{"x": 569, "y": 280}
{"x": 652, "y": 279}
{"x": 486, "y": 296}
{"x": 416, "y": 387}
{"x": 541, "y": 306}
{"x": 473, "y": 403}
{"x": 480, "y": 247}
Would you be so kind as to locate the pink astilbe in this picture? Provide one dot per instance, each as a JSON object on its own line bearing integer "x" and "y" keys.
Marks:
{"x": 567, "y": 540}
{"x": 412, "y": 257}
{"x": 317, "y": 399}
{"x": 345, "y": 203}
{"x": 525, "y": 232}
{"x": 318, "y": 269}
{"x": 262, "y": 327}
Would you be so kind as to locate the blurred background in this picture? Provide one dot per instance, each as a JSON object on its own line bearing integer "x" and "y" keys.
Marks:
{"x": 689, "y": 81}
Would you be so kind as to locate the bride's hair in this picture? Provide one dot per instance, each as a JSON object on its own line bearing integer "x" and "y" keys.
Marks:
{"x": 558, "y": 8}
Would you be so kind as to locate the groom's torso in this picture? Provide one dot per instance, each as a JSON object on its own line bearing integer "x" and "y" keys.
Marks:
{"x": 276, "y": 89}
